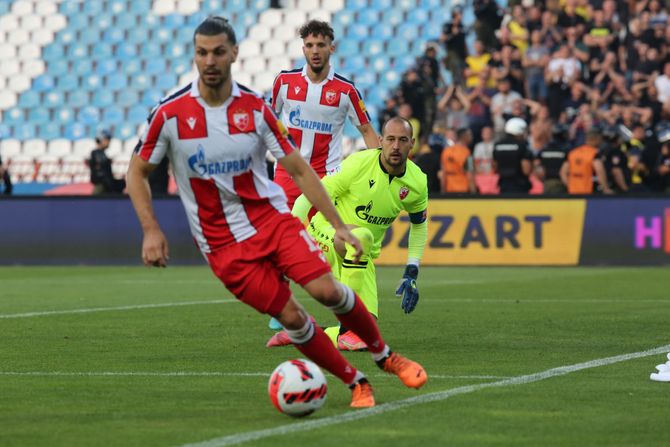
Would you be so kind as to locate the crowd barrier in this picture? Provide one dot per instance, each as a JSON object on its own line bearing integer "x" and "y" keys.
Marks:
{"x": 486, "y": 231}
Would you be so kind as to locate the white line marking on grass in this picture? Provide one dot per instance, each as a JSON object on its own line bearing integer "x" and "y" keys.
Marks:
{"x": 352, "y": 416}
{"x": 110, "y": 309}
{"x": 194, "y": 374}
{"x": 546, "y": 300}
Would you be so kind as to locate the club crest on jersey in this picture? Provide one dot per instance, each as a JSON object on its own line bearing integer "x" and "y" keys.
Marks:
{"x": 331, "y": 96}
{"x": 241, "y": 119}
{"x": 403, "y": 192}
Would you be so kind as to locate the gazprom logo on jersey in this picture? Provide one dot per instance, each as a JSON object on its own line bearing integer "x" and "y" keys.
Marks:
{"x": 363, "y": 213}
{"x": 318, "y": 126}
{"x": 197, "y": 164}
{"x": 649, "y": 232}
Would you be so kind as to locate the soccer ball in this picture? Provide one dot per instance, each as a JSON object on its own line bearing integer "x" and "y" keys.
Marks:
{"x": 297, "y": 388}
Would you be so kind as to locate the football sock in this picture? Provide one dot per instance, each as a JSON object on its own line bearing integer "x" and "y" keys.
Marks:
{"x": 359, "y": 320}
{"x": 316, "y": 346}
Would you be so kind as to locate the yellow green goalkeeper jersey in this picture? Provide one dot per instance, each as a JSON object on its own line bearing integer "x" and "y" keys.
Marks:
{"x": 366, "y": 196}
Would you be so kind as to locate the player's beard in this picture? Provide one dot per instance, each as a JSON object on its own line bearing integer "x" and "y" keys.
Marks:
{"x": 224, "y": 75}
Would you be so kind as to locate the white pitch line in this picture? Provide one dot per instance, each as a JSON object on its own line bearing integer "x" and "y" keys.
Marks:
{"x": 111, "y": 309}
{"x": 353, "y": 416}
{"x": 196, "y": 374}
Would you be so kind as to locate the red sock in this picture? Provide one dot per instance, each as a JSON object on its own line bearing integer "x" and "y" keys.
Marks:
{"x": 321, "y": 351}
{"x": 364, "y": 325}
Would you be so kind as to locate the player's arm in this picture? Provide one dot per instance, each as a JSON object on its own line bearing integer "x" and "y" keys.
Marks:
{"x": 602, "y": 176}
{"x": 310, "y": 184}
{"x": 369, "y": 135}
{"x": 154, "y": 246}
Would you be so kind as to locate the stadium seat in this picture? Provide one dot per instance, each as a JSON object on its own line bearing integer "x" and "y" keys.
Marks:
{"x": 403, "y": 63}
{"x": 127, "y": 130}
{"x": 28, "y": 99}
{"x": 103, "y": 98}
{"x": 75, "y": 131}
{"x": 113, "y": 35}
{"x": 131, "y": 67}
{"x": 112, "y": 116}
{"x": 92, "y": 82}
{"x": 82, "y": 147}
{"x": 53, "y": 52}
{"x": 65, "y": 116}
{"x": 390, "y": 79}
{"x": 25, "y": 131}
{"x": 41, "y": 36}
{"x": 59, "y": 147}
{"x": 432, "y": 30}
{"x": 7, "y": 99}
{"x": 39, "y": 115}
{"x": 9, "y": 148}
{"x": 101, "y": 51}
{"x": 407, "y": 31}
{"x": 18, "y": 82}
{"x": 89, "y": 115}
{"x": 77, "y": 51}
{"x": 271, "y": 18}
{"x": 250, "y": 48}
{"x": 5, "y": 130}
{"x": 397, "y": 47}
{"x": 162, "y": 35}
{"x": 181, "y": 67}
{"x": 347, "y": 48}
{"x": 92, "y": 8}
{"x": 165, "y": 81}
{"x": 34, "y": 147}
{"x": 152, "y": 97}
{"x": 116, "y": 82}
{"x": 354, "y": 64}
{"x": 125, "y": 51}
{"x": 380, "y": 64}
{"x": 138, "y": 114}
{"x": 417, "y": 16}
{"x": 247, "y": 18}
{"x": 69, "y": 7}
{"x": 127, "y": 98}
{"x": 49, "y": 131}
{"x": 373, "y": 47}
{"x": 82, "y": 67}
{"x": 18, "y": 36}
{"x": 106, "y": 67}
{"x": 33, "y": 68}
{"x": 151, "y": 50}
{"x": 175, "y": 50}
{"x": 7, "y": 51}
{"x": 392, "y": 17}
{"x": 273, "y": 48}
{"x": 187, "y": 7}
{"x": 14, "y": 116}
{"x": 154, "y": 66}
{"x": 141, "y": 7}
{"x": 173, "y": 21}
{"x": 344, "y": 18}
{"x": 43, "y": 83}
{"x": 78, "y": 21}
{"x": 77, "y": 98}
{"x": 370, "y": 18}
{"x": 10, "y": 67}
{"x": 357, "y": 31}
{"x": 54, "y": 22}
{"x": 31, "y": 22}
{"x": 254, "y": 65}
{"x": 354, "y": 5}
{"x": 140, "y": 82}
{"x": 138, "y": 35}
{"x": 125, "y": 21}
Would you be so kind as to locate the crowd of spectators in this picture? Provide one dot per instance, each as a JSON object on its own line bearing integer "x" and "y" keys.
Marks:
{"x": 573, "y": 70}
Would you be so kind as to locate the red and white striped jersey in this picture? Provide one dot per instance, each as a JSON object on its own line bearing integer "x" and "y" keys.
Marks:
{"x": 218, "y": 159}
{"x": 314, "y": 114}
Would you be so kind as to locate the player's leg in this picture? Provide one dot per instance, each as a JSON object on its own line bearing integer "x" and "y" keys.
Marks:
{"x": 348, "y": 340}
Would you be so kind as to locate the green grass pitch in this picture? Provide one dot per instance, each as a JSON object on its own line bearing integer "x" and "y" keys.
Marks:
{"x": 75, "y": 373}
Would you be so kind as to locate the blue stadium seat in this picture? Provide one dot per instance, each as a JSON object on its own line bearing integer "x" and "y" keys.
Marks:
{"x": 53, "y": 52}
{"x": 114, "y": 35}
{"x": 194, "y": 20}
{"x": 68, "y": 82}
{"x": 101, "y": 51}
{"x": 373, "y": 47}
{"x": 112, "y": 116}
{"x": 151, "y": 97}
{"x": 125, "y": 51}
{"x": 166, "y": 81}
{"x": 364, "y": 79}
{"x": 432, "y": 30}
{"x": 392, "y": 17}
{"x": 69, "y": 7}
{"x": 162, "y": 35}
{"x": 49, "y": 131}
{"x": 175, "y": 50}
{"x": 174, "y": 21}
{"x": 151, "y": 50}
{"x": 106, "y": 67}
{"x": 4, "y": 7}
{"x": 138, "y": 35}
{"x": 14, "y": 116}
{"x": 182, "y": 66}
{"x": 43, "y": 83}
{"x": 93, "y": 8}
{"x": 81, "y": 67}
{"x": 126, "y": 21}
{"x": 344, "y": 18}
{"x": 154, "y": 66}
{"x": 91, "y": 82}
{"x": 25, "y": 131}
{"x": 89, "y": 115}
{"x": 102, "y": 98}
{"x": 67, "y": 36}
{"x": 77, "y": 51}
{"x": 397, "y": 47}
{"x": 417, "y": 16}
{"x": 247, "y": 18}
{"x": 140, "y": 82}
{"x": 138, "y": 114}
{"x": 369, "y": 17}
{"x": 357, "y": 31}
{"x": 126, "y": 131}
{"x": 375, "y": 96}
{"x": 66, "y": 115}
{"x": 75, "y": 131}
{"x": 54, "y": 99}
{"x": 407, "y": 31}
{"x": 58, "y": 67}
{"x": 380, "y": 64}
{"x": 116, "y": 7}
{"x": 185, "y": 35}
{"x": 259, "y": 5}
{"x": 390, "y": 79}
{"x": 77, "y": 98}
{"x": 116, "y": 82}
{"x": 140, "y": 6}
{"x": 89, "y": 36}
{"x": 403, "y": 63}
{"x": 127, "y": 98}
{"x": 356, "y": 4}
{"x": 78, "y": 21}
{"x": 30, "y": 98}
{"x": 381, "y": 5}
{"x": 39, "y": 115}
{"x": 347, "y": 48}
{"x": 353, "y": 64}
{"x": 431, "y": 4}
{"x": 5, "y": 131}
{"x": 132, "y": 67}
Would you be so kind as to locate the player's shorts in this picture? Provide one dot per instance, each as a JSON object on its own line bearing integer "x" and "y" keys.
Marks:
{"x": 255, "y": 269}
{"x": 324, "y": 235}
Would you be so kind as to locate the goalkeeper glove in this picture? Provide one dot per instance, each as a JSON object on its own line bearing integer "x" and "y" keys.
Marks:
{"x": 407, "y": 288}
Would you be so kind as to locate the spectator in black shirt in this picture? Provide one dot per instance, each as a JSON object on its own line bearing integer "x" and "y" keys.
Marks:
{"x": 389, "y": 111}
{"x": 6, "y": 180}
{"x": 101, "y": 167}
{"x": 512, "y": 159}
{"x": 550, "y": 159}
{"x": 453, "y": 38}
{"x": 489, "y": 16}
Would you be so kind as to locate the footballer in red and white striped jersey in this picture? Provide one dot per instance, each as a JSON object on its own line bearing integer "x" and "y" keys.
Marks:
{"x": 218, "y": 157}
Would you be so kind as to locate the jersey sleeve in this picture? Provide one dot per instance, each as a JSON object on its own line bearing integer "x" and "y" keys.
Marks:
{"x": 155, "y": 140}
{"x": 338, "y": 183}
{"x": 356, "y": 111}
{"x": 277, "y": 100}
{"x": 274, "y": 134}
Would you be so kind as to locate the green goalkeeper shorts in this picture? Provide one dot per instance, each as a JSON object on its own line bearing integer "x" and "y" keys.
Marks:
{"x": 362, "y": 277}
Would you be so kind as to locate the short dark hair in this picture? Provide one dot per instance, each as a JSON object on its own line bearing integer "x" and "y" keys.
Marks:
{"x": 461, "y": 132}
{"x": 215, "y": 25}
{"x": 317, "y": 28}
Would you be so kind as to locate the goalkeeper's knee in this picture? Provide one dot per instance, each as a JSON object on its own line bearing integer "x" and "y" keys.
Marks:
{"x": 367, "y": 240}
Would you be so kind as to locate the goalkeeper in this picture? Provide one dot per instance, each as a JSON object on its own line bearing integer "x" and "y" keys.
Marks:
{"x": 369, "y": 192}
